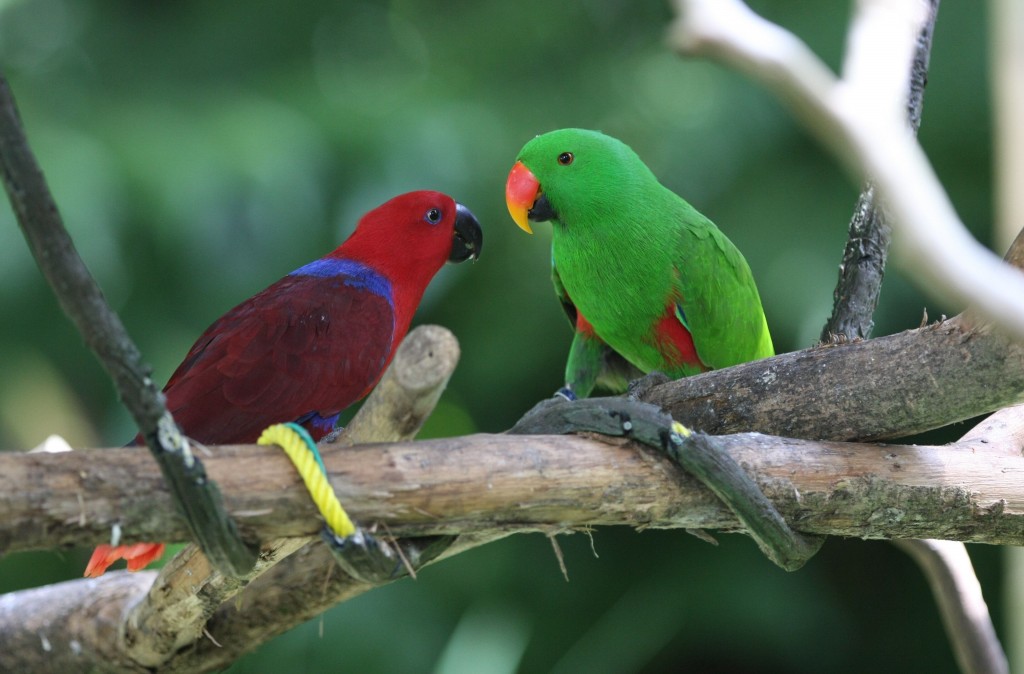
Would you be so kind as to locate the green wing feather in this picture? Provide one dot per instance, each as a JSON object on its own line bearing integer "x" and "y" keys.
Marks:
{"x": 718, "y": 295}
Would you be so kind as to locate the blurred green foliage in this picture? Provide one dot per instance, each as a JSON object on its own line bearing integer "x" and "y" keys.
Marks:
{"x": 199, "y": 151}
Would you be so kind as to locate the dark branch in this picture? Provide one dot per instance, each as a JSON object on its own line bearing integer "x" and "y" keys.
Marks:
{"x": 867, "y": 247}
{"x": 916, "y": 381}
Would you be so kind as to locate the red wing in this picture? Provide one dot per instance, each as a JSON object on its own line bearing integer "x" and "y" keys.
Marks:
{"x": 305, "y": 344}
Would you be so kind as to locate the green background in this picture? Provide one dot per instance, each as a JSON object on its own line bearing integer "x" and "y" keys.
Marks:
{"x": 201, "y": 150}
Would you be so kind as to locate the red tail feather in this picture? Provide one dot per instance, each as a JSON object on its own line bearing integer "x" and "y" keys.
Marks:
{"x": 138, "y": 555}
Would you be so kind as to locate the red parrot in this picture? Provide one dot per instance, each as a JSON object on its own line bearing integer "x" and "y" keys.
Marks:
{"x": 316, "y": 341}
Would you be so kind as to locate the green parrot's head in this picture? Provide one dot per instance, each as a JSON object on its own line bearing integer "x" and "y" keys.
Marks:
{"x": 570, "y": 175}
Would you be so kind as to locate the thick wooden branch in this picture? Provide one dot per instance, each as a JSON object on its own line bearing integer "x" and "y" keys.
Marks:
{"x": 480, "y": 483}
{"x": 75, "y": 498}
{"x": 569, "y": 481}
{"x": 893, "y": 386}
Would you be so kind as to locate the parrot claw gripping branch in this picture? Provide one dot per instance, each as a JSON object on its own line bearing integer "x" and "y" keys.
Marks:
{"x": 697, "y": 453}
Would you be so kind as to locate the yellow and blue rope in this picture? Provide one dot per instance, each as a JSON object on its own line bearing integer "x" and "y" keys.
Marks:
{"x": 301, "y": 449}
{"x": 358, "y": 552}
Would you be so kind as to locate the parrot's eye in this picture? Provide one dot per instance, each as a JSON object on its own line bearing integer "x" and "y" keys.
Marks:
{"x": 433, "y": 216}
{"x": 565, "y": 158}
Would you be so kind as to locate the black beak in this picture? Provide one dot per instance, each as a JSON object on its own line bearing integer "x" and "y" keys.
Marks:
{"x": 468, "y": 239}
{"x": 541, "y": 210}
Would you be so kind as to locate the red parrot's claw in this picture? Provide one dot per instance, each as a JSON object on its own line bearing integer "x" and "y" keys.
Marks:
{"x": 138, "y": 556}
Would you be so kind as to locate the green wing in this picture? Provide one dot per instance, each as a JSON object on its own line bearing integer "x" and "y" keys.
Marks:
{"x": 718, "y": 296}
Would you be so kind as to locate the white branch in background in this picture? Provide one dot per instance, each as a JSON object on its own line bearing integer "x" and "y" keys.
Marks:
{"x": 1006, "y": 62}
{"x": 964, "y": 613}
{"x": 879, "y": 48}
{"x": 854, "y": 117}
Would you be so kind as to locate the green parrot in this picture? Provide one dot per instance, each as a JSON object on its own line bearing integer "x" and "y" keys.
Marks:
{"x": 648, "y": 282}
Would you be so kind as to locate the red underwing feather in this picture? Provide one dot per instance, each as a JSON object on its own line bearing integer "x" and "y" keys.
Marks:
{"x": 675, "y": 341}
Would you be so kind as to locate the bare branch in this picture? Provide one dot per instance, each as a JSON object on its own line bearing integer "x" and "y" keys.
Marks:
{"x": 867, "y": 247}
{"x": 888, "y": 387}
{"x": 964, "y": 613}
{"x": 432, "y": 487}
{"x": 959, "y": 492}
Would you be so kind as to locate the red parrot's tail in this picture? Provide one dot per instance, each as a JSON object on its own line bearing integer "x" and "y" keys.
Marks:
{"x": 137, "y": 556}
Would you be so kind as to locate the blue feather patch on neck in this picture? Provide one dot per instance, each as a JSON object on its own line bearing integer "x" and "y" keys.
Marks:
{"x": 351, "y": 273}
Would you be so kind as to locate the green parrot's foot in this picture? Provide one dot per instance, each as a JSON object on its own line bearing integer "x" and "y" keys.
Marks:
{"x": 706, "y": 457}
{"x": 639, "y": 388}
{"x": 566, "y": 393}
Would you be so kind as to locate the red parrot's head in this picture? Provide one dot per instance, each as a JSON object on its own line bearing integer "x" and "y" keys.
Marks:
{"x": 414, "y": 234}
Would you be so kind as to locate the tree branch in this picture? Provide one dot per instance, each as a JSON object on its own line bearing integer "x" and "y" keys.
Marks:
{"x": 889, "y": 387}
{"x": 76, "y": 497}
{"x": 432, "y": 487}
{"x": 569, "y": 479}
{"x": 867, "y": 246}
{"x": 958, "y": 492}
{"x": 965, "y": 616}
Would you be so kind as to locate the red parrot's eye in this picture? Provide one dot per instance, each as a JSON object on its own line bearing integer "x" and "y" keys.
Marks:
{"x": 433, "y": 216}
{"x": 565, "y": 158}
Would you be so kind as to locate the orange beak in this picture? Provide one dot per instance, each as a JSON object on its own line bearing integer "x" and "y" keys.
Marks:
{"x": 520, "y": 192}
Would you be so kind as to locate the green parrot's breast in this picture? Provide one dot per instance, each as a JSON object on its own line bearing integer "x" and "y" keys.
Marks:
{"x": 621, "y": 294}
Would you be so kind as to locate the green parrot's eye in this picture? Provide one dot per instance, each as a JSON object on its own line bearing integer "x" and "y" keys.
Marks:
{"x": 565, "y": 158}
{"x": 433, "y": 216}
